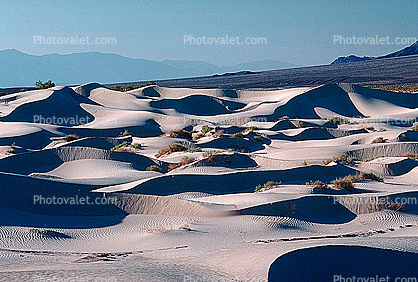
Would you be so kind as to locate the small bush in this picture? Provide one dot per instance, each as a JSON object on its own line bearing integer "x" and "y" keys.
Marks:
{"x": 371, "y": 128}
{"x": 267, "y": 186}
{"x": 205, "y": 129}
{"x": 403, "y": 136}
{"x": 283, "y": 118}
{"x": 218, "y": 134}
{"x": 120, "y": 147}
{"x": 378, "y": 140}
{"x": 70, "y": 137}
{"x": 184, "y": 161}
{"x": 318, "y": 184}
{"x": 414, "y": 128}
{"x": 258, "y": 138}
{"x": 178, "y": 133}
{"x": 338, "y": 120}
{"x": 125, "y": 133}
{"x": 40, "y": 85}
{"x": 194, "y": 150}
{"x": 136, "y": 145}
{"x": 341, "y": 159}
{"x": 250, "y": 129}
{"x": 369, "y": 175}
{"x": 153, "y": 168}
{"x": 346, "y": 182}
{"x": 197, "y": 137}
{"x": 10, "y": 151}
{"x": 237, "y": 135}
{"x": 171, "y": 149}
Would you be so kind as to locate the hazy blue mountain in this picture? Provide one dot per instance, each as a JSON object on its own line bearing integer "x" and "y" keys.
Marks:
{"x": 20, "y": 69}
{"x": 407, "y": 51}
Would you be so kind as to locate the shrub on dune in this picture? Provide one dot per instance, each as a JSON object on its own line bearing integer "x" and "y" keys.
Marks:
{"x": 258, "y": 139}
{"x": 346, "y": 182}
{"x": 414, "y": 128}
{"x": 40, "y": 85}
{"x": 153, "y": 168}
{"x": 369, "y": 175}
{"x": 237, "y": 135}
{"x": 176, "y": 147}
{"x": 378, "y": 140}
{"x": 184, "y": 161}
{"x": 178, "y": 133}
{"x": 318, "y": 184}
{"x": 205, "y": 129}
{"x": 70, "y": 137}
{"x": 267, "y": 186}
{"x": 125, "y": 133}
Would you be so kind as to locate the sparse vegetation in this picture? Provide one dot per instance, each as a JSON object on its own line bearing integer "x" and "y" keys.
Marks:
{"x": 237, "y": 135}
{"x": 258, "y": 138}
{"x": 378, "y": 140}
{"x": 178, "y": 133}
{"x": 267, "y": 186}
{"x": 250, "y": 129}
{"x": 218, "y": 134}
{"x": 176, "y": 147}
{"x": 369, "y": 175}
{"x": 70, "y": 137}
{"x": 341, "y": 159}
{"x": 40, "y": 85}
{"x": 153, "y": 168}
{"x": 198, "y": 136}
{"x": 205, "y": 129}
{"x": 317, "y": 185}
{"x": 414, "y": 128}
{"x": 130, "y": 87}
{"x": 184, "y": 161}
{"x": 283, "y": 118}
{"x": 346, "y": 182}
{"x": 10, "y": 151}
{"x": 123, "y": 147}
{"x": 125, "y": 133}
{"x": 338, "y": 120}
{"x": 371, "y": 128}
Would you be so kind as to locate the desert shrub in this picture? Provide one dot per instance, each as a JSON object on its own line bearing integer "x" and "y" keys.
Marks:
{"x": 130, "y": 86}
{"x": 178, "y": 133}
{"x": 209, "y": 157}
{"x": 346, "y": 182}
{"x": 338, "y": 120}
{"x": 387, "y": 205}
{"x": 70, "y": 137}
{"x": 125, "y": 133}
{"x": 414, "y": 128}
{"x": 301, "y": 124}
{"x": 121, "y": 146}
{"x": 218, "y": 134}
{"x": 176, "y": 147}
{"x": 40, "y": 85}
{"x": 237, "y": 135}
{"x": 403, "y": 136}
{"x": 318, "y": 184}
{"x": 194, "y": 150}
{"x": 341, "y": 159}
{"x": 250, "y": 129}
{"x": 370, "y": 128}
{"x": 267, "y": 186}
{"x": 136, "y": 145}
{"x": 378, "y": 140}
{"x": 153, "y": 168}
{"x": 382, "y": 129}
{"x": 10, "y": 151}
{"x": 369, "y": 175}
{"x": 258, "y": 138}
{"x": 184, "y": 161}
{"x": 205, "y": 129}
{"x": 197, "y": 137}
{"x": 283, "y": 118}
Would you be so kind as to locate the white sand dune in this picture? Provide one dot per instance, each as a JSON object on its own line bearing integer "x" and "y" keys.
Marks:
{"x": 167, "y": 207}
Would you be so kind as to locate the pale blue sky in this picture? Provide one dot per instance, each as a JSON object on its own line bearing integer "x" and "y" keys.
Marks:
{"x": 298, "y": 32}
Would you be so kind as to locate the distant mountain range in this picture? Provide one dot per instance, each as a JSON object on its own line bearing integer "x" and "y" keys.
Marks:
{"x": 408, "y": 51}
{"x": 20, "y": 69}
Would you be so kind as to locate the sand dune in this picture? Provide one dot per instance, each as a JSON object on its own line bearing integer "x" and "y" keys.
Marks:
{"x": 185, "y": 201}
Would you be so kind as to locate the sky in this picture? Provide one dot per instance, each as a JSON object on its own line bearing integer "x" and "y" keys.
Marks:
{"x": 298, "y": 32}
